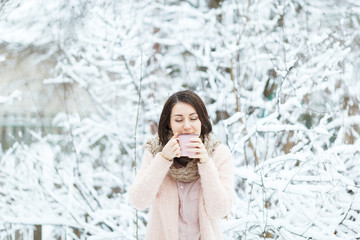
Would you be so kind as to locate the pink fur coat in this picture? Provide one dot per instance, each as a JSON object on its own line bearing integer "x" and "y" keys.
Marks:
{"x": 153, "y": 187}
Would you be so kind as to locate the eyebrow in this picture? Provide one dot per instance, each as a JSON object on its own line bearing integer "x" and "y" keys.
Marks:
{"x": 180, "y": 115}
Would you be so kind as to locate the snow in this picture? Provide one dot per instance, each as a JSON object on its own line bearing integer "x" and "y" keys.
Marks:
{"x": 284, "y": 98}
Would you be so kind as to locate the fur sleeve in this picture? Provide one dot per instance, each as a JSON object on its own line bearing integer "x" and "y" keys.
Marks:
{"x": 217, "y": 182}
{"x": 152, "y": 172}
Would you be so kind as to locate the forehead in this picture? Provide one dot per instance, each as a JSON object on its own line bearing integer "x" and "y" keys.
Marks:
{"x": 181, "y": 108}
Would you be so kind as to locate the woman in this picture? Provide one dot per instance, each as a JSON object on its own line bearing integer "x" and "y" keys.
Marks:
{"x": 188, "y": 195}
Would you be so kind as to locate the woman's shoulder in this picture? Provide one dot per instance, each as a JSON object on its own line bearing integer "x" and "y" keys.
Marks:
{"x": 222, "y": 148}
{"x": 222, "y": 151}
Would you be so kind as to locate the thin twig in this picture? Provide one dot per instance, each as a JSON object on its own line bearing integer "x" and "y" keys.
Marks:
{"x": 135, "y": 133}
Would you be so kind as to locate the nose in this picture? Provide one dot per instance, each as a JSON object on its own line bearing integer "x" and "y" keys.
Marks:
{"x": 186, "y": 124}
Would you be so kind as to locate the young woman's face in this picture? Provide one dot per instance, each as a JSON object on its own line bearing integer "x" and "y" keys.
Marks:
{"x": 184, "y": 119}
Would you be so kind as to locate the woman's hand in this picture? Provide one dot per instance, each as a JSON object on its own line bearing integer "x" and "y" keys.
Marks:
{"x": 171, "y": 148}
{"x": 199, "y": 150}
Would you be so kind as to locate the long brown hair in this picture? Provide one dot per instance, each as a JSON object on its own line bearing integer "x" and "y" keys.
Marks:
{"x": 188, "y": 97}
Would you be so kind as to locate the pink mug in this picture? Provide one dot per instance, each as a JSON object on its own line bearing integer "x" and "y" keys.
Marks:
{"x": 183, "y": 140}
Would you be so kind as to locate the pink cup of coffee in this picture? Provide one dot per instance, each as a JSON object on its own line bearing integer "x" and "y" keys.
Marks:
{"x": 183, "y": 140}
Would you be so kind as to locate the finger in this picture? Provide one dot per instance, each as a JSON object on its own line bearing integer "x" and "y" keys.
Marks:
{"x": 173, "y": 139}
{"x": 196, "y": 139}
{"x": 195, "y": 145}
{"x": 175, "y": 147}
{"x": 196, "y": 156}
{"x": 178, "y": 153}
{"x": 173, "y": 142}
{"x": 176, "y": 134}
{"x": 196, "y": 150}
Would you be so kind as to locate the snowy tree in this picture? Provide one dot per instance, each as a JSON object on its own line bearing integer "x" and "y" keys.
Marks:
{"x": 281, "y": 82}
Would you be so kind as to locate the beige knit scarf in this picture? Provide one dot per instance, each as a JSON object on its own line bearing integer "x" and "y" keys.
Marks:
{"x": 188, "y": 170}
